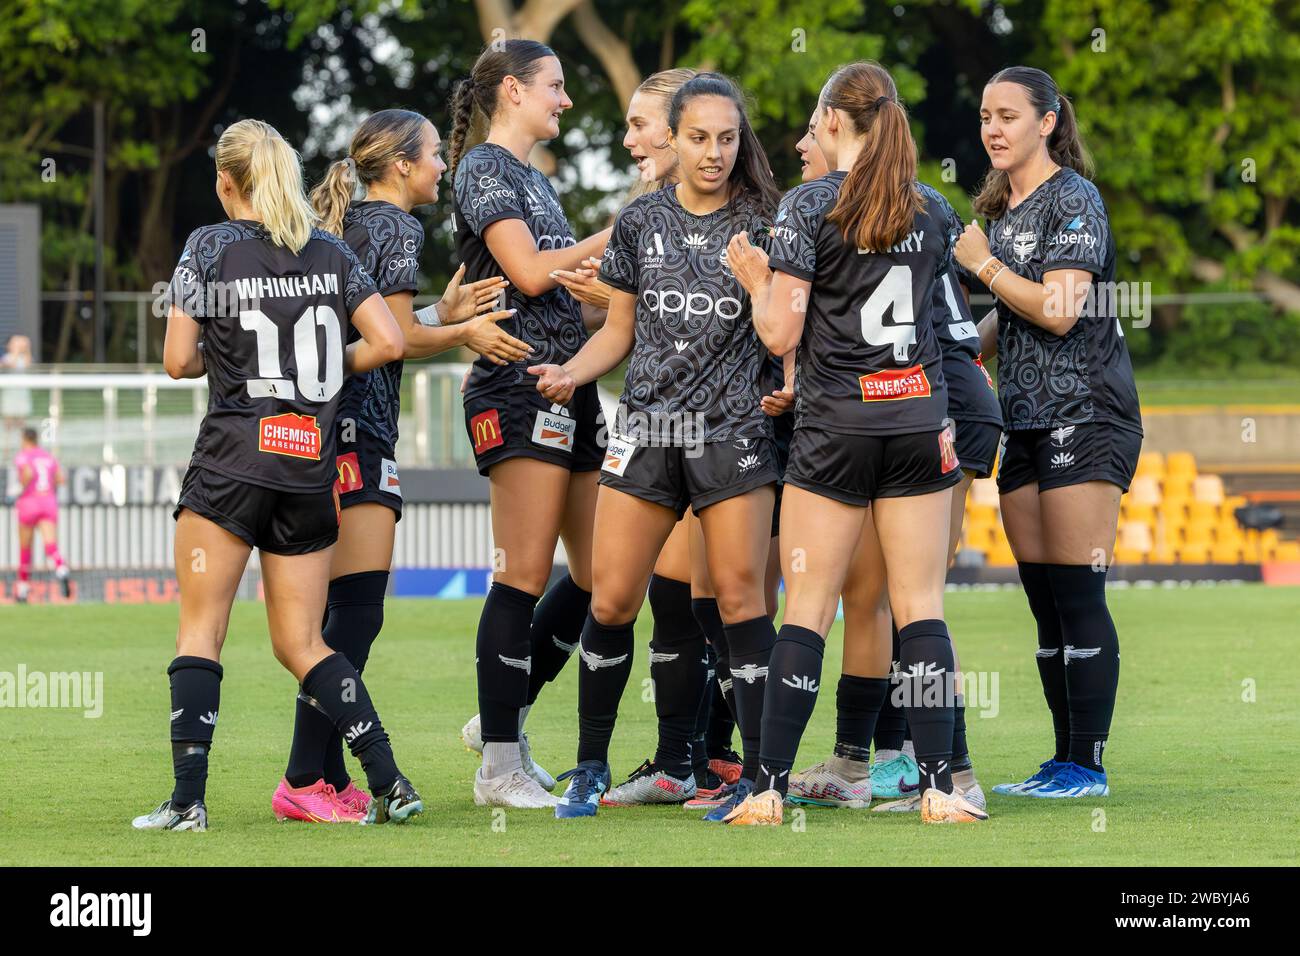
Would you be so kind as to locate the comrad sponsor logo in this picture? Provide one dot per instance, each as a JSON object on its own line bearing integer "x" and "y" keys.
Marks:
{"x": 290, "y": 434}
{"x": 349, "y": 478}
{"x": 485, "y": 430}
{"x": 388, "y": 480}
{"x": 698, "y": 304}
{"x": 617, "y": 454}
{"x": 893, "y": 384}
{"x": 554, "y": 431}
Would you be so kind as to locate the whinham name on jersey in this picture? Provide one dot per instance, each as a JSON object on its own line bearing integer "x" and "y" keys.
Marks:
{"x": 274, "y": 360}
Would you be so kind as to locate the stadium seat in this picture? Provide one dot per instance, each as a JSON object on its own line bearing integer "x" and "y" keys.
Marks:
{"x": 1202, "y": 512}
{"x": 1000, "y": 556}
{"x": 1124, "y": 555}
{"x": 1208, "y": 489}
{"x": 1144, "y": 491}
{"x": 1225, "y": 553}
{"x": 1287, "y": 551}
{"x": 1135, "y": 536}
{"x": 1180, "y": 464}
{"x": 1143, "y": 513}
{"x": 1151, "y": 464}
{"x": 1162, "y": 554}
{"x": 1198, "y": 534}
{"x": 1176, "y": 486}
{"x": 1194, "y": 554}
{"x": 981, "y": 514}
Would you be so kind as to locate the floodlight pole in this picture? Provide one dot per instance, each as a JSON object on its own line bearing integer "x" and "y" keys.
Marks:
{"x": 100, "y": 343}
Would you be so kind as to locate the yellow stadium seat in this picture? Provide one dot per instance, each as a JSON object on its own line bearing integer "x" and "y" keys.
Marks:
{"x": 1180, "y": 464}
{"x": 1225, "y": 554}
{"x": 1135, "y": 536}
{"x": 1269, "y": 538}
{"x": 981, "y": 514}
{"x": 1000, "y": 556}
{"x": 1176, "y": 486}
{"x": 1127, "y": 555}
{"x": 1198, "y": 533}
{"x": 1201, "y": 512}
{"x": 1287, "y": 551}
{"x": 1162, "y": 554}
{"x": 1144, "y": 491}
{"x": 1151, "y": 464}
{"x": 1251, "y": 552}
{"x": 1143, "y": 513}
{"x": 1193, "y": 554}
{"x": 1208, "y": 488}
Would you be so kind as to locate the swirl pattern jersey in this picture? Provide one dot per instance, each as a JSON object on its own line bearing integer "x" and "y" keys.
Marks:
{"x": 1047, "y": 380}
{"x": 274, "y": 327}
{"x": 696, "y": 352}
{"x": 388, "y": 241}
{"x": 869, "y": 360}
{"x": 491, "y": 185}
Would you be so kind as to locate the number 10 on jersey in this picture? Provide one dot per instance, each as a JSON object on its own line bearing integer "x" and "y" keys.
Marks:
{"x": 270, "y": 382}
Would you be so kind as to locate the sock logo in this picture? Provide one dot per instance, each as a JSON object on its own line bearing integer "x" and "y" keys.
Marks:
{"x": 210, "y": 718}
{"x": 595, "y": 661}
{"x": 524, "y": 664}
{"x": 567, "y": 648}
{"x": 176, "y": 714}
{"x": 801, "y": 683}
{"x": 725, "y": 685}
{"x": 749, "y": 673}
{"x": 1046, "y": 652}
{"x": 356, "y": 730}
{"x": 1073, "y": 653}
{"x": 656, "y": 657}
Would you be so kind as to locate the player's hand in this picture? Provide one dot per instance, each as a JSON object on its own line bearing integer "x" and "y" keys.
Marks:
{"x": 748, "y": 263}
{"x": 460, "y": 303}
{"x": 778, "y": 403}
{"x": 464, "y": 380}
{"x": 554, "y": 382}
{"x": 972, "y": 248}
{"x": 493, "y": 343}
{"x": 583, "y": 284}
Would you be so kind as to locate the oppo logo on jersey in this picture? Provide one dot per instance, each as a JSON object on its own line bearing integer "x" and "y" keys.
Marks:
{"x": 545, "y": 242}
{"x": 698, "y": 304}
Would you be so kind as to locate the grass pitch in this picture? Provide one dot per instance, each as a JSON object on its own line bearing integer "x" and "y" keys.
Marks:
{"x": 1204, "y": 746}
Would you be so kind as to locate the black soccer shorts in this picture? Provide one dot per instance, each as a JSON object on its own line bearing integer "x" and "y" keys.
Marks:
{"x": 278, "y": 522}
{"x": 696, "y": 476}
{"x": 1068, "y": 455}
{"x": 367, "y": 471}
{"x": 858, "y": 469}
{"x": 521, "y": 423}
{"x": 977, "y": 446}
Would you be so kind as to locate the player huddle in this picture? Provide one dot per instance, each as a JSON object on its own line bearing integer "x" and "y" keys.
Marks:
{"x": 805, "y": 402}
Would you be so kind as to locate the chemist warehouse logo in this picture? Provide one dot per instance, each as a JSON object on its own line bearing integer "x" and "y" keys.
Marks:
{"x": 1074, "y": 235}
{"x": 77, "y": 909}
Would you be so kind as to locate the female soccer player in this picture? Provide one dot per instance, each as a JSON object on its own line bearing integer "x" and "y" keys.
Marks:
{"x": 540, "y": 457}
{"x": 395, "y": 155}
{"x": 39, "y": 475}
{"x": 692, "y": 430}
{"x": 1070, "y": 404}
{"x": 263, "y": 305}
{"x": 849, "y": 249}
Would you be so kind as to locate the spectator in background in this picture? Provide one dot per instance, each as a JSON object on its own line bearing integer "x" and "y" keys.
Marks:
{"x": 15, "y": 403}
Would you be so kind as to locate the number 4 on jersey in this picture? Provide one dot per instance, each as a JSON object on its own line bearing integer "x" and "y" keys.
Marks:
{"x": 895, "y": 291}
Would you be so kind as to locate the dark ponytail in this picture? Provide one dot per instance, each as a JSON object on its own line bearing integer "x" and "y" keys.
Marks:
{"x": 751, "y": 177}
{"x": 879, "y": 201}
{"x": 1064, "y": 145}
{"x": 475, "y": 97}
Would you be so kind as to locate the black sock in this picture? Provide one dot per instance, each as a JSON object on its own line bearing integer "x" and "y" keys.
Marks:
{"x": 340, "y": 693}
{"x": 196, "y": 698}
{"x": 891, "y": 725}
{"x": 504, "y": 652}
{"x": 1050, "y": 656}
{"x": 699, "y": 741}
{"x": 858, "y": 702}
{"x": 960, "y": 750}
{"x": 795, "y": 672}
{"x": 354, "y": 616}
{"x": 722, "y": 708}
{"x": 556, "y": 630}
{"x": 1091, "y": 658}
{"x": 750, "y": 643}
{"x": 925, "y": 652}
{"x": 679, "y": 669}
{"x": 603, "y": 671}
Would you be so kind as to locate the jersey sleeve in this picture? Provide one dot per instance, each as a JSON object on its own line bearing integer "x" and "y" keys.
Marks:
{"x": 399, "y": 258}
{"x": 357, "y": 284}
{"x": 187, "y": 289}
{"x": 792, "y": 243}
{"x": 486, "y": 191}
{"x": 618, "y": 268}
{"x": 1077, "y": 229}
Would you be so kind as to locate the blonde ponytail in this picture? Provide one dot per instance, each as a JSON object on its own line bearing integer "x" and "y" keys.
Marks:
{"x": 332, "y": 196}
{"x": 268, "y": 173}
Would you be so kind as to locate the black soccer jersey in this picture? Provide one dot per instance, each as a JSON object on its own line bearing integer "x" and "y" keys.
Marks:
{"x": 491, "y": 184}
{"x": 274, "y": 328}
{"x": 971, "y": 395}
{"x": 868, "y": 361}
{"x": 387, "y": 240}
{"x": 1048, "y": 380}
{"x": 696, "y": 356}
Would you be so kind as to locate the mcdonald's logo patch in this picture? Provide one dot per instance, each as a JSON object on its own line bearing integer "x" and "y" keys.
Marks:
{"x": 349, "y": 473}
{"x": 485, "y": 431}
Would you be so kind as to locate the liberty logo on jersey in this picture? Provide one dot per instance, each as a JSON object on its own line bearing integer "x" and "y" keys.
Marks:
{"x": 349, "y": 478}
{"x": 893, "y": 384}
{"x": 291, "y": 434}
{"x": 485, "y": 430}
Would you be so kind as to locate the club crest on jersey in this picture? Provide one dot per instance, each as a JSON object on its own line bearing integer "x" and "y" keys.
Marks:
{"x": 1061, "y": 436}
{"x": 1023, "y": 245}
{"x": 617, "y": 454}
{"x": 290, "y": 434}
{"x": 388, "y": 480}
{"x": 349, "y": 469}
{"x": 485, "y": 431}
{"x": 894, "y": 384}
{"x": 552, "y": 430}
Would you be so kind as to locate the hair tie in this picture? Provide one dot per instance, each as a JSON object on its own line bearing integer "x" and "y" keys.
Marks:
{"x": 881, "y": 101}
{"x": 350, "y": 165}
{"x": 1056, "y": 107}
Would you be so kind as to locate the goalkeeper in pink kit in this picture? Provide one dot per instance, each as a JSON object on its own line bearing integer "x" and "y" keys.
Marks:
{"x": 39, "y": 475}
